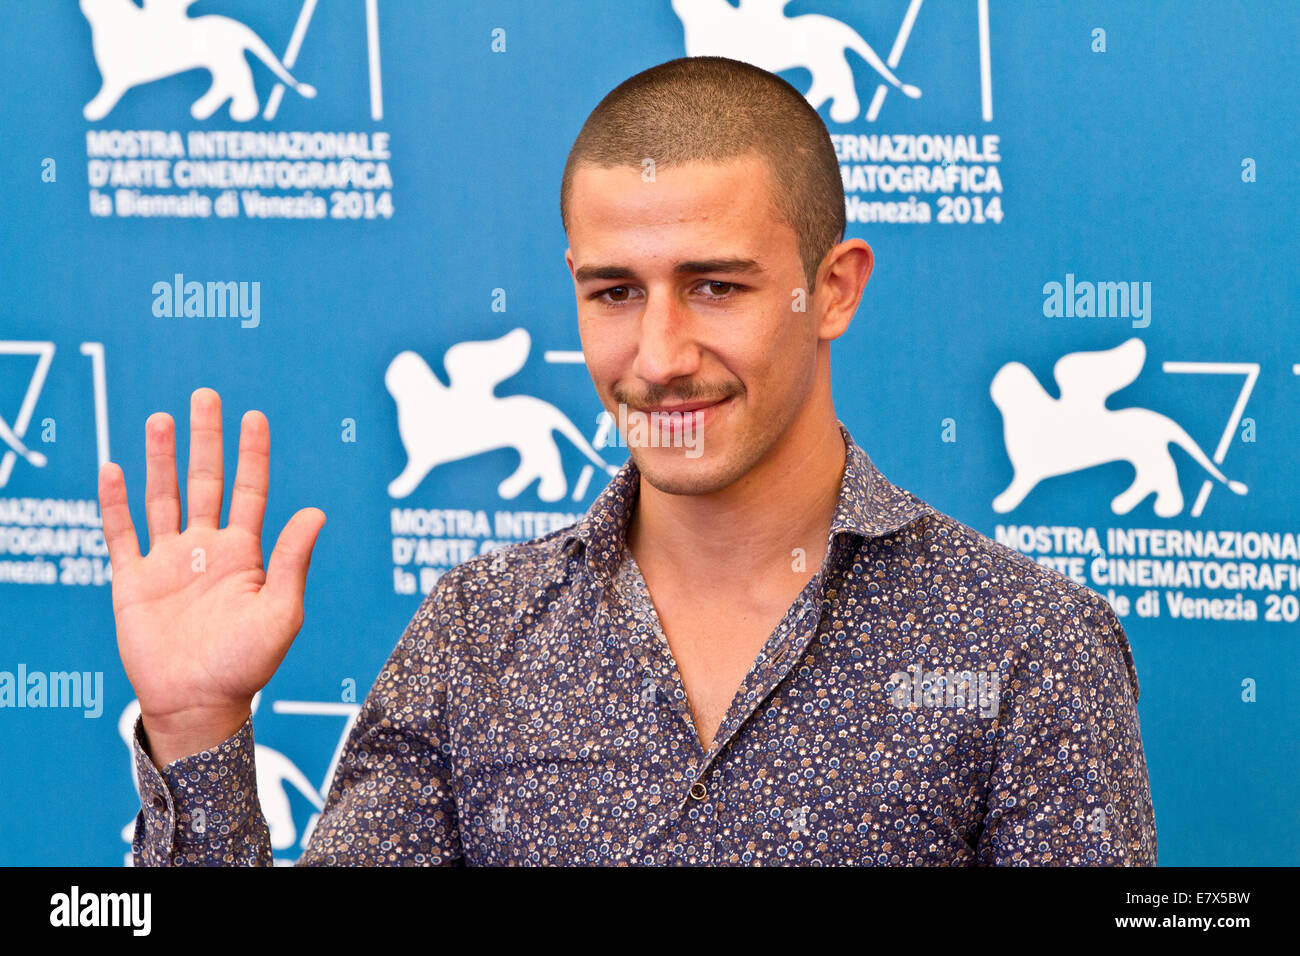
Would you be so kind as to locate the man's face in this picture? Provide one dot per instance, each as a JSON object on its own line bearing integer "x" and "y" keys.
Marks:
{"x": 686, "y": 289}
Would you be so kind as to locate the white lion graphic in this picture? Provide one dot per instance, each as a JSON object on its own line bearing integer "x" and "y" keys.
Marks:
{"x": 140, "y": 44}
{"x": 1047, "y": 436}
{"x": 439, "y": 423}
{"x": 759, "y": 32}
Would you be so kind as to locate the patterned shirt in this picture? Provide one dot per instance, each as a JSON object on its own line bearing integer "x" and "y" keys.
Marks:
{"x": 930, "y": 698}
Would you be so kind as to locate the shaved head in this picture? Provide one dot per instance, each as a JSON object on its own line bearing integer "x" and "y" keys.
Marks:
{"x": 712, "y": 109}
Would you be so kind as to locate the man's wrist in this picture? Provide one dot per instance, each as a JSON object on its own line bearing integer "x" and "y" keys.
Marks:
{"x": 198, "y": 802}
{"x": 165, "y": 744}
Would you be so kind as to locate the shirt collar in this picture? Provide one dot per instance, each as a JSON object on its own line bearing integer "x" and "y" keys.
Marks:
{"x": 869, "y": 505}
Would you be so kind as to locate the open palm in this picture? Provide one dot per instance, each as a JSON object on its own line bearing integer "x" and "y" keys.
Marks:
{"x": 201, "y": 626}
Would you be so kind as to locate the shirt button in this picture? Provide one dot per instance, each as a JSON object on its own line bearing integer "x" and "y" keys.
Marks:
{"x": 159, "y": 803}
{"x": 699, "y": 791}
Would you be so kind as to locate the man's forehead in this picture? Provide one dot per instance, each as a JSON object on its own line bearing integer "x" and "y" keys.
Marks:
{"x": 690, "y": 213}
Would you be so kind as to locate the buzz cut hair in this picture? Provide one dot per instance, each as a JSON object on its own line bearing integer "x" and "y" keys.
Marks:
{"x": 713, "y": 109}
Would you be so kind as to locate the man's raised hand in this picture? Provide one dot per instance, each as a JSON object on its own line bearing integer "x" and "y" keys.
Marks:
{"x": 201, "y": 627}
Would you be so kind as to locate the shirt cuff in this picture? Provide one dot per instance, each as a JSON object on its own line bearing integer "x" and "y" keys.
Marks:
{"x": 206, "y": 798}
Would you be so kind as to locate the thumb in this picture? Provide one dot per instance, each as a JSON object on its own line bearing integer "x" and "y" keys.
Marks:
{"x": 286, "y": 572}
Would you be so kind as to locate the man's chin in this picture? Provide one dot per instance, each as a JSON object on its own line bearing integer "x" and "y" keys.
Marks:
{"x": 675, "y": 471}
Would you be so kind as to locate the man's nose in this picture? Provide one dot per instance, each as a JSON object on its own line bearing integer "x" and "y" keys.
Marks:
{"x": 666, "y": 348}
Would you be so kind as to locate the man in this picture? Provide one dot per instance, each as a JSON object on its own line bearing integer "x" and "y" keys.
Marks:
{"x": 753, "y": 649}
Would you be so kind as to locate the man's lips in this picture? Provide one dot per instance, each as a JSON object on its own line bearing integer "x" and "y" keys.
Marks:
{"x": 684, "y": 407}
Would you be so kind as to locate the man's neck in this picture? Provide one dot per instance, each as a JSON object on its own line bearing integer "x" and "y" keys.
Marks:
{"x": 771, "y": 523}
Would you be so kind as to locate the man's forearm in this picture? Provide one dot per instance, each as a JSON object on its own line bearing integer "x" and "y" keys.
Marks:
{"x": 200, "y": 810}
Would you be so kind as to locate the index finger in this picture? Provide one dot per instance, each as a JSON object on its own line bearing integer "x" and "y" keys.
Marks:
{"x": 248, "y": 497}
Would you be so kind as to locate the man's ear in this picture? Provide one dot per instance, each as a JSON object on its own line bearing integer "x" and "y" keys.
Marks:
{"x": 841, "y": 278}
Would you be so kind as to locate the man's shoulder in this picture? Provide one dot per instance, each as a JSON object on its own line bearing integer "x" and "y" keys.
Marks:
{"x": 506, "y": 572}
{"x": 1012, "y": 604}
{"x": 1006, "y": 585}
{"x": 478, "y": 607}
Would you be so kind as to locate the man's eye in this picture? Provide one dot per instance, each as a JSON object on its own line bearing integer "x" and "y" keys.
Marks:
{"x": 620, "y": 294}
{"x": 617, "y": 294}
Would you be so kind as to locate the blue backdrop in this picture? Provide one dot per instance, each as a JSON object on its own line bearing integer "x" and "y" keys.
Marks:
{"x": 1071, "y": 178}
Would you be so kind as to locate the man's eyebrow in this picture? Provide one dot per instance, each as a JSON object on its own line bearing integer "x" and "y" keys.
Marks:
{"x": 689, "y": 267}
